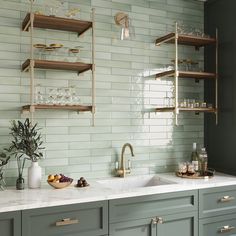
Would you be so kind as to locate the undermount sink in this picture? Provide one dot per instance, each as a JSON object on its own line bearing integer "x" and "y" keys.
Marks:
{"x": 132, "y": 182}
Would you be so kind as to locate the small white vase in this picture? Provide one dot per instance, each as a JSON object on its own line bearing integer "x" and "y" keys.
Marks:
{"x": 34, "y": 175}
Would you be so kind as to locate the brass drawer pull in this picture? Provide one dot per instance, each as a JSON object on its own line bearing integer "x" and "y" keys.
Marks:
{"x": 154, "y": 221}
{"x": 67, "y": 221}
{"x": 160, "y": 220}
{"x": 226, "y": 229}
{"x": 227, "y": 199}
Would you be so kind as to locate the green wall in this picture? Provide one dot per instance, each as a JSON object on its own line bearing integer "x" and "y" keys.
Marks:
{"x": 125, "y": 98}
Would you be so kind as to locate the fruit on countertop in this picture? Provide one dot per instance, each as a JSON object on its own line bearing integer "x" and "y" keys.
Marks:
{"x": 82, "y": 183}
{"x": 59, "y": 178}
{"x": 51, "y": 178}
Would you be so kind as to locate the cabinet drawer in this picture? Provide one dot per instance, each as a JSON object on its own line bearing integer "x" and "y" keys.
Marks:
{"x": 154, "y": 205}
{"x": 216, "y": 226}
{"x": 70, "y": 220}
{"x": 217, "y": 201}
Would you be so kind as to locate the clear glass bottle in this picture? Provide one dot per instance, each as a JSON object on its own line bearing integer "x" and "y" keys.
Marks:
{"x": 203, "y": 159}
{"x": 195, "y": 158}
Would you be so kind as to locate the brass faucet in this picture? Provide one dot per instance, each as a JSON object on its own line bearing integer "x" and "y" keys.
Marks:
{"x": 122, "y": 171}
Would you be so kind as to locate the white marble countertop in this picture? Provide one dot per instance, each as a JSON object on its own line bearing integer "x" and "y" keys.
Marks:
{"x": 13, "y": 200}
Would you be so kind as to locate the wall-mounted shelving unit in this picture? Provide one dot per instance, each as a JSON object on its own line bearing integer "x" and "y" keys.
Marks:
{"x": 197, "y": 42}
{"x": 32, "y": 21}
{"x": 195, "y": 109}
{"x": 187, "y": 74}
{"x": 58, "y": 107}
{"x": 56, "y": 23}
{"x": 56, "y": 65}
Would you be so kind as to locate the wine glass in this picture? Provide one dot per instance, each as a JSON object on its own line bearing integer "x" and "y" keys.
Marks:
{"x": 39, "y": 48}
{"x": 38, "y": 95}
{"x": 73, "y": 13}
{"x": 51, "y": 97}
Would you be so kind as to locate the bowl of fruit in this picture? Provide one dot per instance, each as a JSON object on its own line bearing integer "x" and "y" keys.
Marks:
{"x": 59, "y": 181}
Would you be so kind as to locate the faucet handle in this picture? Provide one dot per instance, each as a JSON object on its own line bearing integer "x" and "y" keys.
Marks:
{"x": 116, "y": 165}
{"x": 129, "y": 164}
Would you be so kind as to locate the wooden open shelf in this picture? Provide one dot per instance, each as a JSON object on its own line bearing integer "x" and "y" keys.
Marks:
{"x": 57, "y": 65}
{"x": 165, "y": 109}
{"x": 186, "y": 40}
{"x": 56, "y": 23}
{"x": 210, "y": 110}
{"x": 197, "y": 110}
{"x": 187, "y": 74}
{"x": 79, "y": 108}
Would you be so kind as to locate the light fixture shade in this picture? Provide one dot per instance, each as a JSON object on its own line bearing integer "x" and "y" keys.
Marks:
{"x": 122, "y": 20}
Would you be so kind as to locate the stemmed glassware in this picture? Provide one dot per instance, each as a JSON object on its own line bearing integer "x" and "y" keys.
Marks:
{"x": 185, "y": 29}
{"x": 38, "y": 95}
{"x": 168, "y": 100}
{"x": 39, "y": 48}
{"x": 60, "y": 96}
{"x": 52, "y": 6}
{"x": 73, "y": 13}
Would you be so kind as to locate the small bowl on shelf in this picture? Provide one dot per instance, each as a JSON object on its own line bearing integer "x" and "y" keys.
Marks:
{"x": 60, "y": 185}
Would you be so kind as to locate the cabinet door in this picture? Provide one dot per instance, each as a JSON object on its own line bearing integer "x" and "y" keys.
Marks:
{"x": 10, "y": 224}
{"x": 184, "y": 224}
{"x": 142, "y": 227}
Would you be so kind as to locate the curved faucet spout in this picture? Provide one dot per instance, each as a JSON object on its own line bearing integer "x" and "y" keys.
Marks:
{"x": 122, "y": 166}
{"x": 124, "y": 147}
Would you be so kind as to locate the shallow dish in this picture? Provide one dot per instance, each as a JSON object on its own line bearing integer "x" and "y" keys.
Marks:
{"x": 60, "y": 185}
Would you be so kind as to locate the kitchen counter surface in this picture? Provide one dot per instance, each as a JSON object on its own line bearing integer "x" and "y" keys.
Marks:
{"x": 12, "y": 200}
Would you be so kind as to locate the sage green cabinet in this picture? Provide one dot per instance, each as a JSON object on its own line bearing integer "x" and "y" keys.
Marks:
{"x": 143, "y": 227}
{"x": 153, "y": 205}
{"x": 155, "y": 215}
{"x": 220, "y": 225}
{"x": 185, "y": 224}
{"x": 10, "y": 223}
{"x": 87, "y": 219}
{"x": 217, "y": 201}
{"x": 217, "y": 211}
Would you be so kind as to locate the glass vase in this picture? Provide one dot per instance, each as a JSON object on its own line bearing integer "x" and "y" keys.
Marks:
{"x": 20, "y": 183}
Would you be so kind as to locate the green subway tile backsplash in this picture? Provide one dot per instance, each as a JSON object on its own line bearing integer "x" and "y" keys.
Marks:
{"x": 124, "y": 96}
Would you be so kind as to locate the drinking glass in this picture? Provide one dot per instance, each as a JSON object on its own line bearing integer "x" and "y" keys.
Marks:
{"x": 166, "y": 101}
{"x": 48, "y": 53}
{"x": 59, "y": 96}
{"x": 68, "y": 96}
{"x": 39, "y": 48}
{"x": 38, "y": 98}
{"x": 74, "y": 54}
{"x": 183, "y": 168}
{"x": 52, "y": 7}
{"x": 73, "y": 13}
{"x": 55, "y": 53}
{"x": 51, "y": 97}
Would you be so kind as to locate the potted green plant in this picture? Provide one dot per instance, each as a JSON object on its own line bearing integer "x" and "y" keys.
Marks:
{"x": 27, "y": 145}
{"x": 4, "y": 158}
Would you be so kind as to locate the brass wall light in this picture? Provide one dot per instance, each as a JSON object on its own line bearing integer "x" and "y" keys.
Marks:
{"x": 122, "y": 19}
